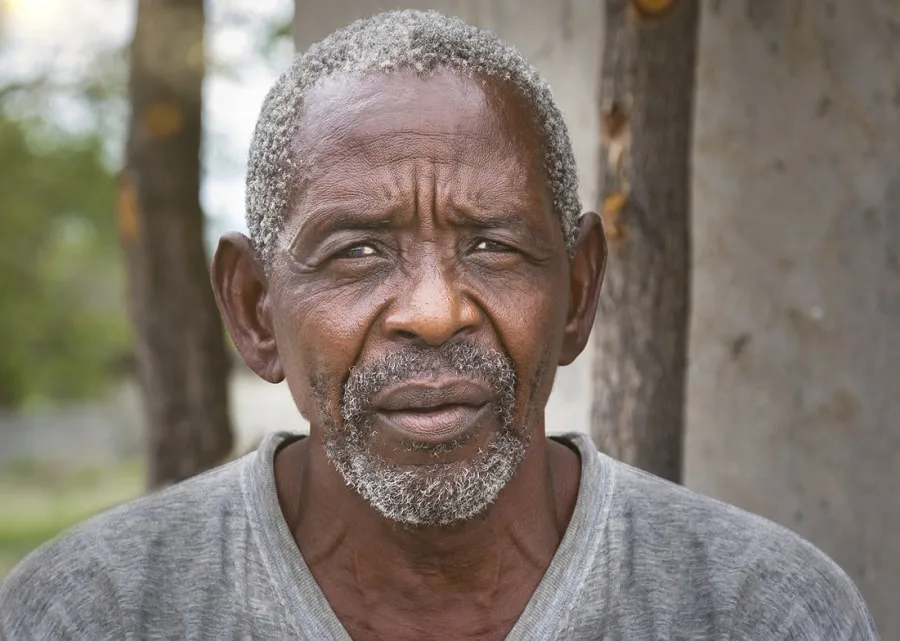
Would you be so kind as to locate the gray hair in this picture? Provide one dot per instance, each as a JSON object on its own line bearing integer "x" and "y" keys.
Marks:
{"x": 422, "y": 41}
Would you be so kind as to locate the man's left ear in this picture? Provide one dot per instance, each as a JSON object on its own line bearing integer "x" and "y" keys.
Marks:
{"x": 586, "y": 277}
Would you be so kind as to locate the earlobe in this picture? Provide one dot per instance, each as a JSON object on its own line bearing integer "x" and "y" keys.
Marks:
{"x": 239, "y": 283}
{"x": 586, "y": 278}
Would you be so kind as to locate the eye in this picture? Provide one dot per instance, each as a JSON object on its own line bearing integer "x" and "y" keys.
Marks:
{"x": 356, "y": 251}
{"x": 485, "y": 245}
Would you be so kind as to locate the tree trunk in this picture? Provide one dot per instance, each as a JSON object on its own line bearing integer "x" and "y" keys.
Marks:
{"x": 182, "y": 360}
{"x": 795, "y": 349}
{"x": 646, "y": 97}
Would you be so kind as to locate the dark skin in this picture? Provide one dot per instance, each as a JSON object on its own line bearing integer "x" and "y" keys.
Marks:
{"x": 422, "y": 214}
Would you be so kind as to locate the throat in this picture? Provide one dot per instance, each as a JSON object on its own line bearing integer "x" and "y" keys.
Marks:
{"x": 471, "y": 592}
{"x": 386, "y": 580}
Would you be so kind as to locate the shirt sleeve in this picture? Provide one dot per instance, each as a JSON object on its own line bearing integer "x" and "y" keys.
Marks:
{"x": 847, "y": 621}
{"x": 801, "y": 596}
{"x": 60, "y": 591}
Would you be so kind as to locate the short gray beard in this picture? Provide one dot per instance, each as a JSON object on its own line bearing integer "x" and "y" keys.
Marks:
{"x": 439, "y": 494}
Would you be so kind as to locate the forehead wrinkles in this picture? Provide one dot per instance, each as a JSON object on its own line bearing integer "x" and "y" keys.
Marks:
{"x": 358, "y": 127}
{"x": 391, "y": 169}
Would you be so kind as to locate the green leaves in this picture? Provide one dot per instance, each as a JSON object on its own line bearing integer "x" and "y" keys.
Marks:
{"x": 63, "y": 317}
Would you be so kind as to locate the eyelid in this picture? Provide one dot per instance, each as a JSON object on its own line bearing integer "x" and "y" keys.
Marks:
{"x": 480, "y": 241}
{"x": 342, "y": 251}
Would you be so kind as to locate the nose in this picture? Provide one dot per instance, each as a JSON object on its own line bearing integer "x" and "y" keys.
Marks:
{"x": 430, "y": 306}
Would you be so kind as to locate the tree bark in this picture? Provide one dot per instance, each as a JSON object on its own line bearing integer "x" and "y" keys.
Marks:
{"x": 641, "y": 333}
{"x": 182, "y": 361}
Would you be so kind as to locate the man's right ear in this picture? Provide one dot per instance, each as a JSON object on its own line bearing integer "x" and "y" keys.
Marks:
{"x": 241, "y": 290}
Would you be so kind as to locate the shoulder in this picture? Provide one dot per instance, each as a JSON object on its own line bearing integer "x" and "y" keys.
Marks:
{"x": 79, "y": 584}
{"x": 771, "y": 582}
{"x": 61, "y": 591}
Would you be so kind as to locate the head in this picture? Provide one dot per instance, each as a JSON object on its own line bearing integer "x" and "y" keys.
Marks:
{"x": 417, "y": 265}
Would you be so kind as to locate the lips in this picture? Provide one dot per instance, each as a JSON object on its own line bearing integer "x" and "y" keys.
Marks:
{"x": 432, "y": 394}
{"x": 434, "y": 410}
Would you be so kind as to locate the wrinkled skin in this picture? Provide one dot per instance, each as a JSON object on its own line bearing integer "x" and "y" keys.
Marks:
{"x": 422, "y": 218}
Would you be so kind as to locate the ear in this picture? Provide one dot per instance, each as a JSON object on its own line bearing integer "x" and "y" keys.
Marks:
{"x": 586, "y": 277}
{"x": 240, "y": 285}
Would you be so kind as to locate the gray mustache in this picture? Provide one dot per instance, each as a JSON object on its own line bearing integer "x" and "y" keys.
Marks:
{"x": 410, "y": 362}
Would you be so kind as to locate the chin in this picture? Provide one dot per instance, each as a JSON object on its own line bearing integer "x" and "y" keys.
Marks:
{"x": 426, "y": 483}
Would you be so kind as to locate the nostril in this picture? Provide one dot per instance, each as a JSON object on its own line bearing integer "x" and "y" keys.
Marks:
{"x": 404, "y": 333}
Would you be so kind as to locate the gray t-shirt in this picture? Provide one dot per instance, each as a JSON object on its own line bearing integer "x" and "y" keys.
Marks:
{"x": 212, "y": 559}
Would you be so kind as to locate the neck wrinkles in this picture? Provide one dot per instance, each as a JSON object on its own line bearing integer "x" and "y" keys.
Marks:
{"x": 350, "y": 548}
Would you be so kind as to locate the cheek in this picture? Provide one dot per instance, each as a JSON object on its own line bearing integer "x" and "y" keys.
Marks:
{"x": 530, "y": 320}
{"x": 319, "y": 333}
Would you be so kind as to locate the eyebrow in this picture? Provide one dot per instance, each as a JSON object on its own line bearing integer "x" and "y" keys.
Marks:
{"x": 355, "y": 216}
{"x": 509, "y": 217}
{"x": 334, "y": 217}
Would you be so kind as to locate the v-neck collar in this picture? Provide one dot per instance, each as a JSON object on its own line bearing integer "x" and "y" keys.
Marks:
{"x": 310, "y": 615}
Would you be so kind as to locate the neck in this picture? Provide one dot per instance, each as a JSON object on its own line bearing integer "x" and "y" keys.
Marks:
{"x": 424, "y": 569}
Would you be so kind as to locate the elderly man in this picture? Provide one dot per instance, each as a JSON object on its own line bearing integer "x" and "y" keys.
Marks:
{"x": 417, "y": 268}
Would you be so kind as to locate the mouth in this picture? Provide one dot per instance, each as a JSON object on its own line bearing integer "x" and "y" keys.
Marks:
{"x": 433, "y": 411}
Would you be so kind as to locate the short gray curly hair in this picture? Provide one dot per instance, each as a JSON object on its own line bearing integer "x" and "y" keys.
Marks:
{"x": 421, "y": 41}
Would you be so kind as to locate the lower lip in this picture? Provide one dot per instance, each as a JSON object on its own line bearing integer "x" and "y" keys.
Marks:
{"x": 440, "y": 425}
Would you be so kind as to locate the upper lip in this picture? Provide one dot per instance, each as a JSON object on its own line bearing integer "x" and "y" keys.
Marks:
{"x": 429, "y": 395}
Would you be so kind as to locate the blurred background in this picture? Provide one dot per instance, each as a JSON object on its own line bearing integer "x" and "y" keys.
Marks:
{"x": 124, "y": 127}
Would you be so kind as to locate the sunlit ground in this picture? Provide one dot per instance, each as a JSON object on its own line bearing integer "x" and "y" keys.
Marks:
{"x": 37, "y": 503}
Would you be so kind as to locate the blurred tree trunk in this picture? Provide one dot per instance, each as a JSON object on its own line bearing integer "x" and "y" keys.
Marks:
{"x": 641, "y": 334}
{"x": 182, "y": 360}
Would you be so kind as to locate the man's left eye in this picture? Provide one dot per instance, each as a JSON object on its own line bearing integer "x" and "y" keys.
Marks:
{"x": 492, "y": 246}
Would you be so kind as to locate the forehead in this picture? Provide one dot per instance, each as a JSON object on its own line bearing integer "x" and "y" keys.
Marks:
{"x": 477, "y": 133}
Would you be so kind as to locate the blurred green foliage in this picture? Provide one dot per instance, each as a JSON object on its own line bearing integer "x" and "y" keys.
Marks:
{"x": 61, "y": 275}
{"x": 63, "y": 321}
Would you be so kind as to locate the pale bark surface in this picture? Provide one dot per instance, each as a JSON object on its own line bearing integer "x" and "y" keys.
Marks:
{"x": 794, "y": 378}
{"x": 640, "y": 337}
{"x": 182, "y": 361}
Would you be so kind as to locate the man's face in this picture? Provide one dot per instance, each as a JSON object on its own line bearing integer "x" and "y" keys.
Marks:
{"x": 420, "y": 288}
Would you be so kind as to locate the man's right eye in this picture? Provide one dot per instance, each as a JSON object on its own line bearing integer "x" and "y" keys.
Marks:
{"x": 357, "y": 251}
